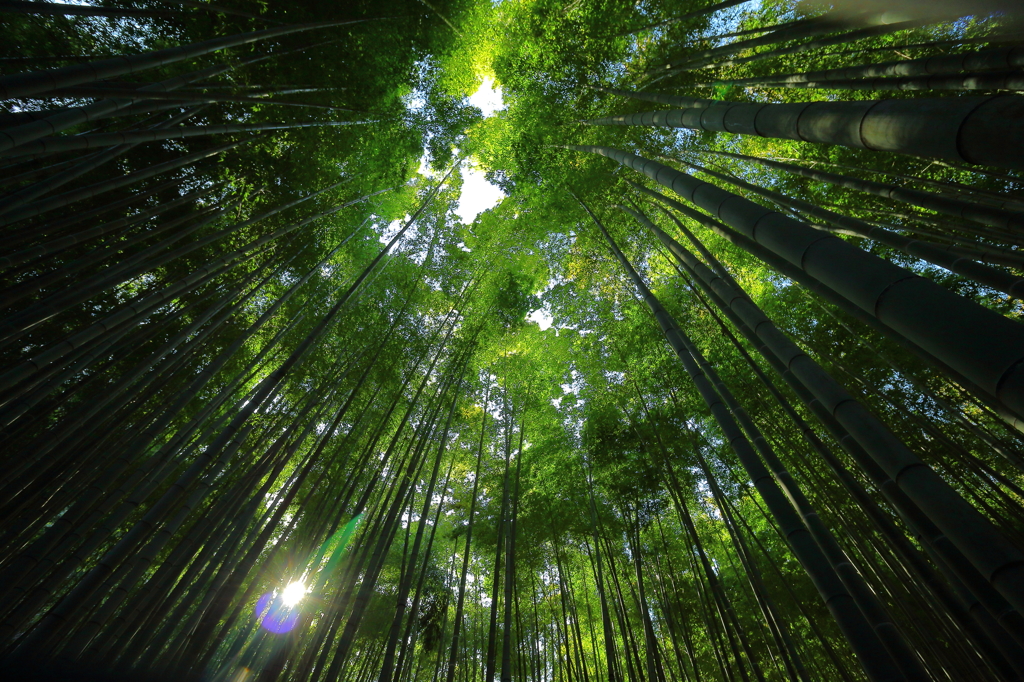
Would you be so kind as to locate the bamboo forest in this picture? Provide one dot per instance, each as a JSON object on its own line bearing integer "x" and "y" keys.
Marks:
{"x": 512, "y": 340}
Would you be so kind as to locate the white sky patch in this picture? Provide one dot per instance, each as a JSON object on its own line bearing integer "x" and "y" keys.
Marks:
{"x": 541, "y": 317}
{"x": 424, "y": 168}
{"x": 477, "y": 196}
{"x": 415, "y": 100}
{"x": 392, "y": 229}
{"x": 488, "y": 97}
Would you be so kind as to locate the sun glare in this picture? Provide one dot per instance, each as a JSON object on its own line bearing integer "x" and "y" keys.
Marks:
{"x": 293, "y": 593}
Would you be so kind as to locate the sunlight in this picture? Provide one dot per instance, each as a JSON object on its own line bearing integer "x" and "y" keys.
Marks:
{"x": 488, "y": 97}
{"x": 293, "y": 593}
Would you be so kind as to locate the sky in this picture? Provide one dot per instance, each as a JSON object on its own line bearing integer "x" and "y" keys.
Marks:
{"x": 478, "y": 195}
{"x": 488, "y": 97}
{"x": 542, "y": 317}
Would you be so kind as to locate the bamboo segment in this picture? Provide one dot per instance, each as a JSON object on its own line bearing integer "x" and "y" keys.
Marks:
{"x": 57, "y": 245}
{"x": 975, "y": 621}
{"x": 65, "y": 9}
{"x": 896, "y": 297}
{"x": 817, "y": 26}
{"x": 957, "y": 259}
{"x": 873, "y": 657}
{"x": 997, "y": 559}
{"x": 992, "y": 59}
{"x": 37, "y": 82}
{"x": 936, "y": 543}
{"x": 36, "y": 190}
{"x": 15, "y": 136}
{"x": 951, "y": 128}
{"x": 47, "y": 145}
{"x": 890, "y": 636}
{"x": 59, "y": 201}
{"x": 1006, "y": 219}
{"x": 1008, "y": 80}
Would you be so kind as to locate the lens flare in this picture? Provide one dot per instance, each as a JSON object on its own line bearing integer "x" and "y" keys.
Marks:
{"x": 278, "y": 611}
{"x": 293, "y": 593}
{"x": 241, "y": 676}
{"x": 274, "y": 616}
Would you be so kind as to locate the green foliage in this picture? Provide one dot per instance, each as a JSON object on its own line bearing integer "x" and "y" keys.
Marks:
{"x": 612, "y": 453}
